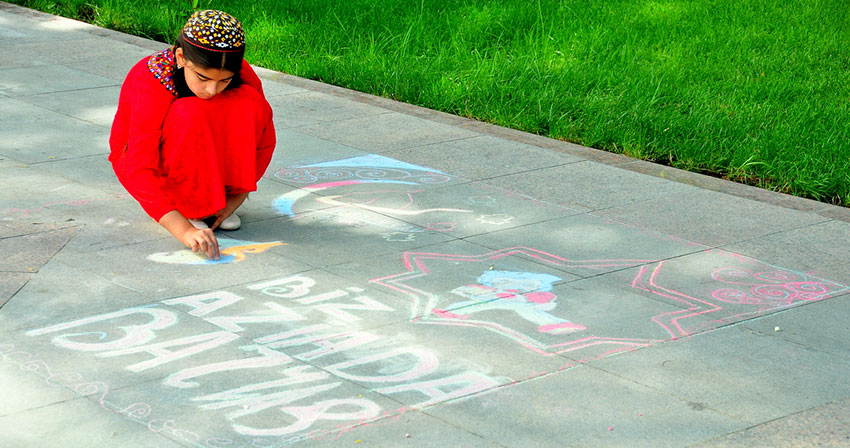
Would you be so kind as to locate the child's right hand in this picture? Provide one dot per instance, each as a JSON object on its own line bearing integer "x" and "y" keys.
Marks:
{"x": 202, "y": 240}
{"x": 199, "y": 240}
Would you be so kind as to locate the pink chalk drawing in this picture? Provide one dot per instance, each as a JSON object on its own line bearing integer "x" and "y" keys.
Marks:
{"x": 704, "y": 299}
{"x": 743, "y": 289}
{"x": 496, "y": 298}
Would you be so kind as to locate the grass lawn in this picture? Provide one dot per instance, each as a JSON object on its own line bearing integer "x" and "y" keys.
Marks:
{"x": 757, "y": 91}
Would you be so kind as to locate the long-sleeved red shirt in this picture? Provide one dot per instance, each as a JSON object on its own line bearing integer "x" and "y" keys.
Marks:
{"x": 136, "y": 133}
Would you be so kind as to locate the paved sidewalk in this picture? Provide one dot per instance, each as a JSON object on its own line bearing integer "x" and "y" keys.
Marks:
{"x": 403, "y": 277}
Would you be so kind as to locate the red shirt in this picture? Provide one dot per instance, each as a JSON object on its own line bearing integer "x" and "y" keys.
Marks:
{"x": 134, "y": 141}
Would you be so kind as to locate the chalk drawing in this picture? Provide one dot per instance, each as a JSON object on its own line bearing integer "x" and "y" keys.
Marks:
{"x": 404, "y": 210}
{"x": 368, "y": 169}
{"x": 743, "y": 289}
{"x": 497, "y": 219}
{"x": 527, "y": 294}
{"x": 283, "y": 398}
{"x": 496, "y": 296}
{"x": 232, "y": 251}
{"x": 486, "y": 201}
{"x": 294, "y": 358}
{"x": 399, "y": 236}
{"x": 441, "y": 226}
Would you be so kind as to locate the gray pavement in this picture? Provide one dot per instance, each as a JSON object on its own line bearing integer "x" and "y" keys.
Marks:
{"x": 403, "y": 277}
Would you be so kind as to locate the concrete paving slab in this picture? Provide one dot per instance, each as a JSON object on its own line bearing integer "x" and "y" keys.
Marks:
{"x": 94, "y": 171}
{"x": 590, "y": 185}
{"x": 78, "y": 53}
{"x": 513, "y": 301}
{"x": 275, "y": 199}
{"x": 25, "y": 183}
{"x": 95, "y": 106}
{"x": 10, "y": 284}
{"x": 164, "y": 268}
{"x": 310, "y": 108}
{"x": 822, "y": 325}
{"x": 77, "y": 423}
{"x": 31, "y": 134}
{"x": 822, "y": 426}
{"x": 47, "y": 78}
{"x": 595, "y": 408}
{"x": 166, "y": 361}
{"x": 458, "y": 210}
{"x": 28, "y": 253}
{"x": 39, "y": 197}
{"x": 588, "y": 245}
{"x": 718, "y": 288}
{"x": 296, "y": 149}
{"x": 746, "y": 375}
{"x": 338, "y": 235}
{"x": 503, "y": 157}
{"x": 36, "y": 29}
{"x": 410, "y": 429}
{"x": 702, "y": 216}
{"x": 381, "y": 135}
{"x": 819, "y": 249}
{"x": 62, "y": 292}
{"x": 10, "y": 227}
{"x": 22, "y": 390}
{"x": 116, "y": 65}
{"x": 6, "y": 161}
{"x": 222, "y": 411}
{"x": 453, "y": 264}
{"x": 323, "y": 310}
{"x": 102, "y": 222}
{"x": 276, "y": 84}
{"x": 99, "y": 353}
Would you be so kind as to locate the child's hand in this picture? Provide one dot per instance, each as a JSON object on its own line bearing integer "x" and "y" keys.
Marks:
{"x": 202, "y": 240}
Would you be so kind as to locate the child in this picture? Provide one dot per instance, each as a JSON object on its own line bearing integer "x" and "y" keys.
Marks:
{"x": 193, "y": 132}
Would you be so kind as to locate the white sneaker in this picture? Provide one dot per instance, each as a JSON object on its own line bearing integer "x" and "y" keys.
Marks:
{"x": 232, "y": 222}
{"x": 199, "y": 224}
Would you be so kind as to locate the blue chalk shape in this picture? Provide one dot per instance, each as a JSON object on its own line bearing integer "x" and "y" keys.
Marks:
{"x": 371, "y": 160}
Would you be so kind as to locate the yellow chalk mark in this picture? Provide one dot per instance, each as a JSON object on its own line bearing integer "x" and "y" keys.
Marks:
{"x": 239, "y": 251}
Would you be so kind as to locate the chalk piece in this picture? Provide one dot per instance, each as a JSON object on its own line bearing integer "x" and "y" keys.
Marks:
{"x": 610, "y": 428}
{"x": 407, "y": 436}
{"x": 776, "y": 329}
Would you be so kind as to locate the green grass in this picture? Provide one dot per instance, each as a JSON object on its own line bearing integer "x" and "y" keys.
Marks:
{"x": 756, "y": 91}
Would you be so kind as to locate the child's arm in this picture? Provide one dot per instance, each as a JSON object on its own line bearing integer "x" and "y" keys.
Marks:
{"x": 199, "y": 240}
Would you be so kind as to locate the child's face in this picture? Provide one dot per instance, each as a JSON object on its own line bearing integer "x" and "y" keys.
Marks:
{"x": 204, "y": 82}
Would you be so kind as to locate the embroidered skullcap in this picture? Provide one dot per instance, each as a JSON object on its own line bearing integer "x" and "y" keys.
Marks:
{"x": 214, "y": 30}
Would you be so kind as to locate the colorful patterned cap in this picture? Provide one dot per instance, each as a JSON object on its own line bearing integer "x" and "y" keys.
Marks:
{"x": 214, "y": 30}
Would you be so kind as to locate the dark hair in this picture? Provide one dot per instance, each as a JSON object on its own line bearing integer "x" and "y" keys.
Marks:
{"x": 225, "y": 60}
